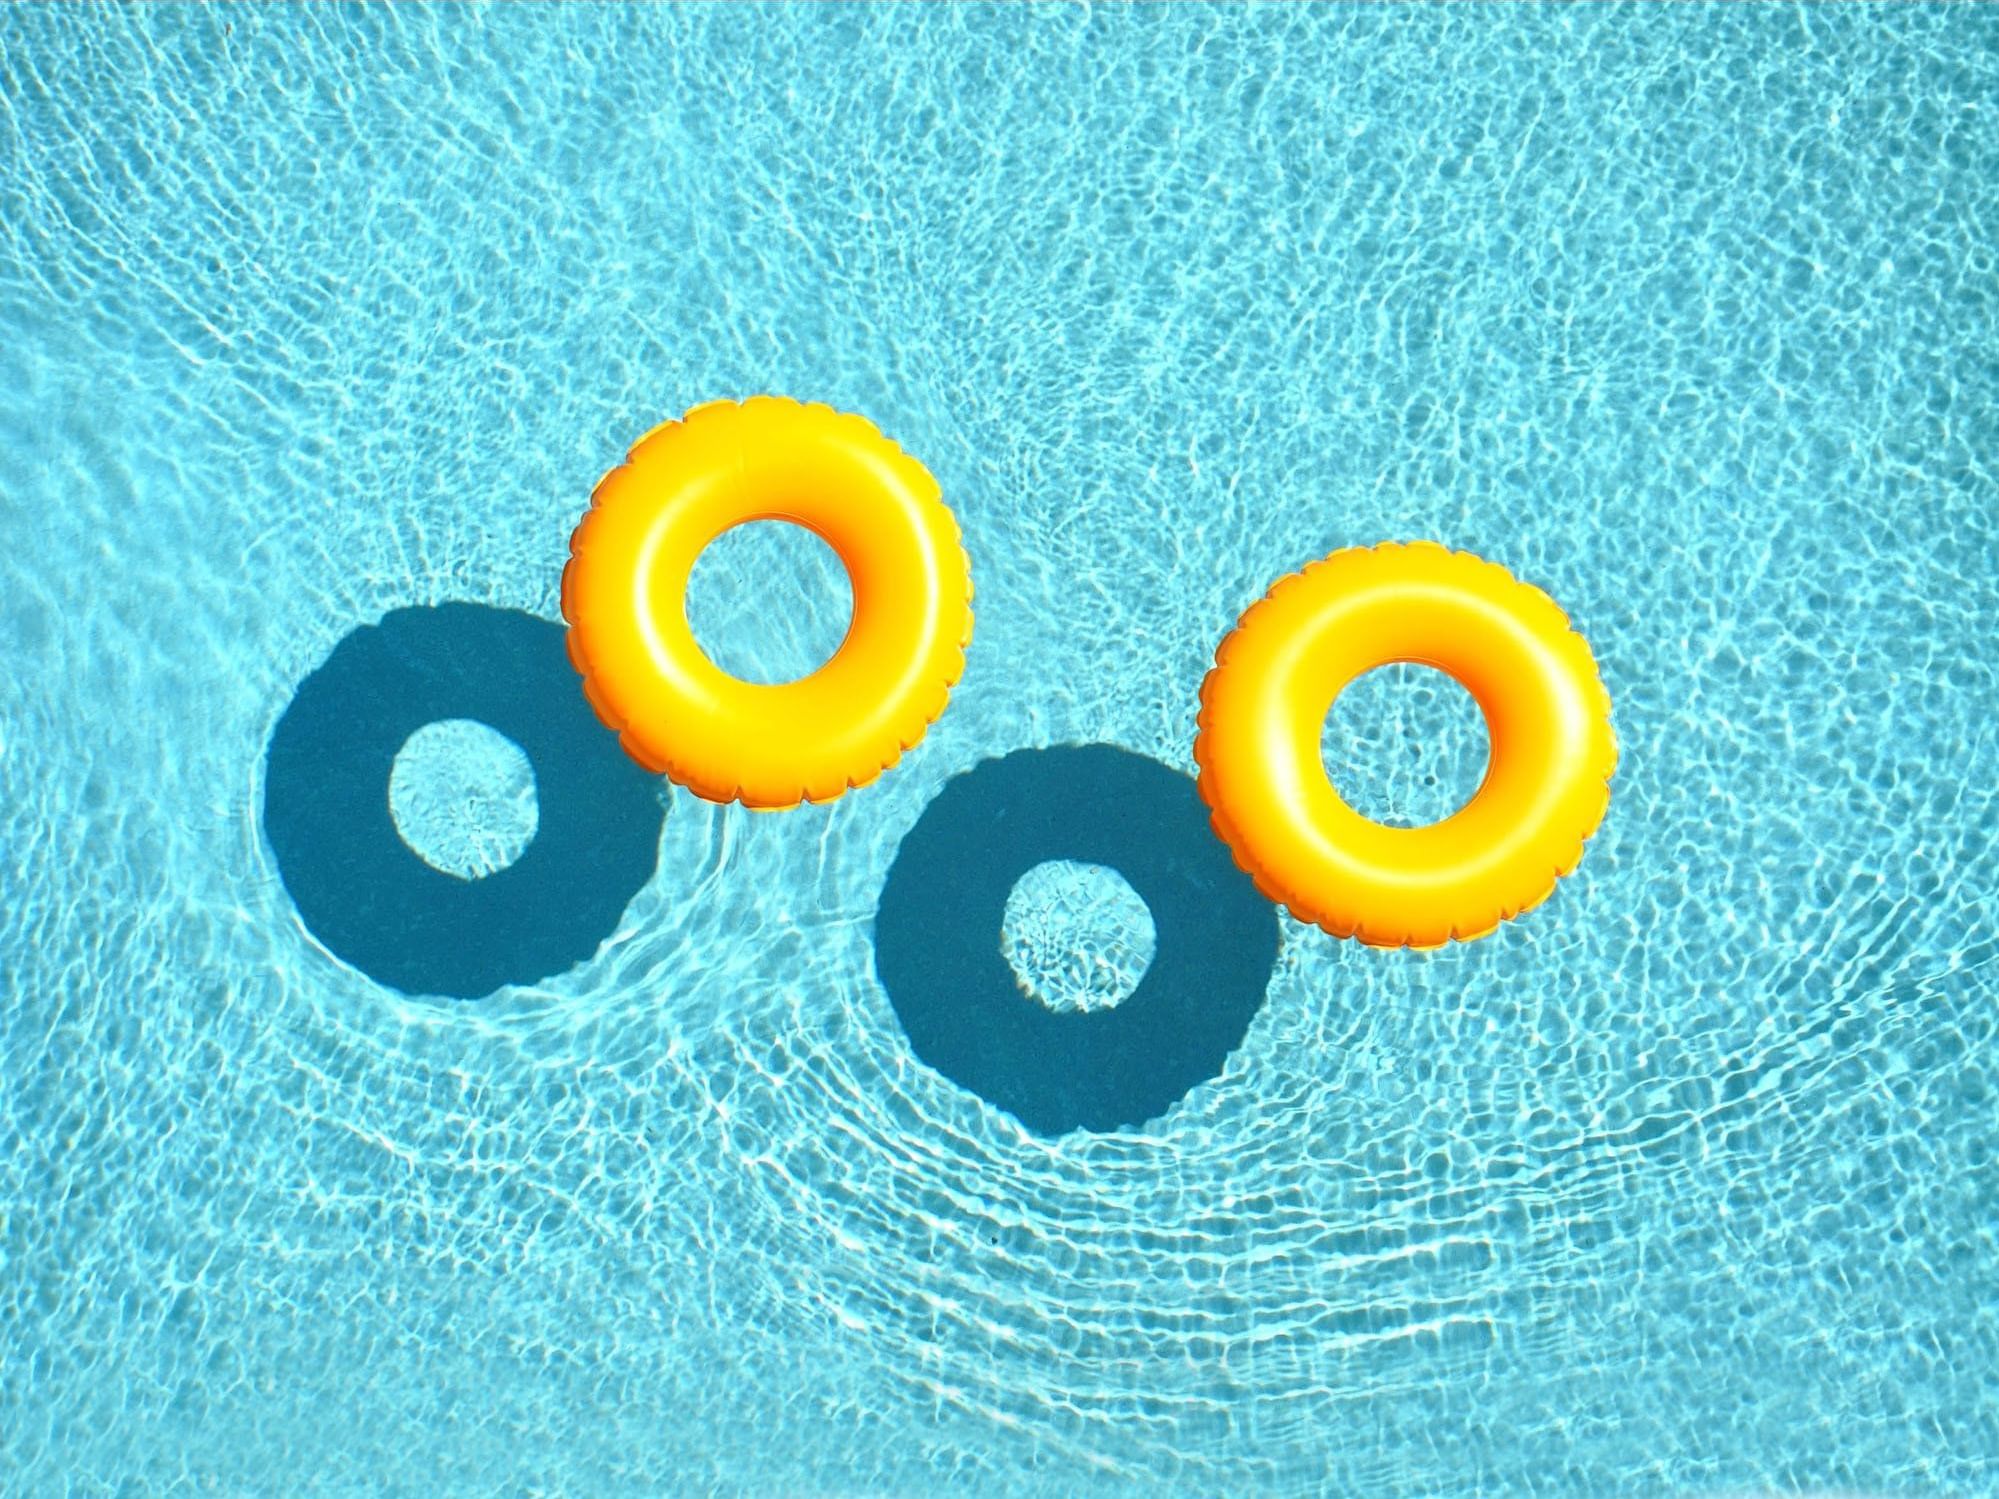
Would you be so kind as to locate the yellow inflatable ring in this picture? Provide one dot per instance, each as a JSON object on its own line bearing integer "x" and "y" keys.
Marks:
{"x": 624, "y": 594}
{"x": 1264, "y": 705}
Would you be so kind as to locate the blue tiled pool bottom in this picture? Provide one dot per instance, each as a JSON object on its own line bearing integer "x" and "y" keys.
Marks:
{"x": 309, "y": 317}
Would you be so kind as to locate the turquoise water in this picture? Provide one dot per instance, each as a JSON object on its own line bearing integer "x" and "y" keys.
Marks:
{"x": 1684, "y": 1184}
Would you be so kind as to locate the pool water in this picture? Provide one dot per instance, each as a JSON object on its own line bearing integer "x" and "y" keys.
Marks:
{"x": 325, "y": 320}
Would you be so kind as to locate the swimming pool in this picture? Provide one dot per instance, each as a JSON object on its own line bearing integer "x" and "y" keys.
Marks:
{"x": 1682, "y": 1184}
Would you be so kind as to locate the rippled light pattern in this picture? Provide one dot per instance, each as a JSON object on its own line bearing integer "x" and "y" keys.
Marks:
{"x": 1077, "y": 936}
{"x": 1681, "y": 1186}
{"x": 462, "y": 796}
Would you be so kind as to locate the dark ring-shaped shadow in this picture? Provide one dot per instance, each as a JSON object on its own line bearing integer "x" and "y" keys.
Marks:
{"x": 358, "y": 885}
{"x": 937, "y": 938}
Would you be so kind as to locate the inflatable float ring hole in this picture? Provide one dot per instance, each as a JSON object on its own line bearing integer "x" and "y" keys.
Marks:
{"x": 1405, "y": 744}
{"x": 769, "y": 601}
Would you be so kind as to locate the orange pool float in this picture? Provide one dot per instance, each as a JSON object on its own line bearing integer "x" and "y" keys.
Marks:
{"x": 624, "y": 594}
{"x": 1276, "y": 676}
